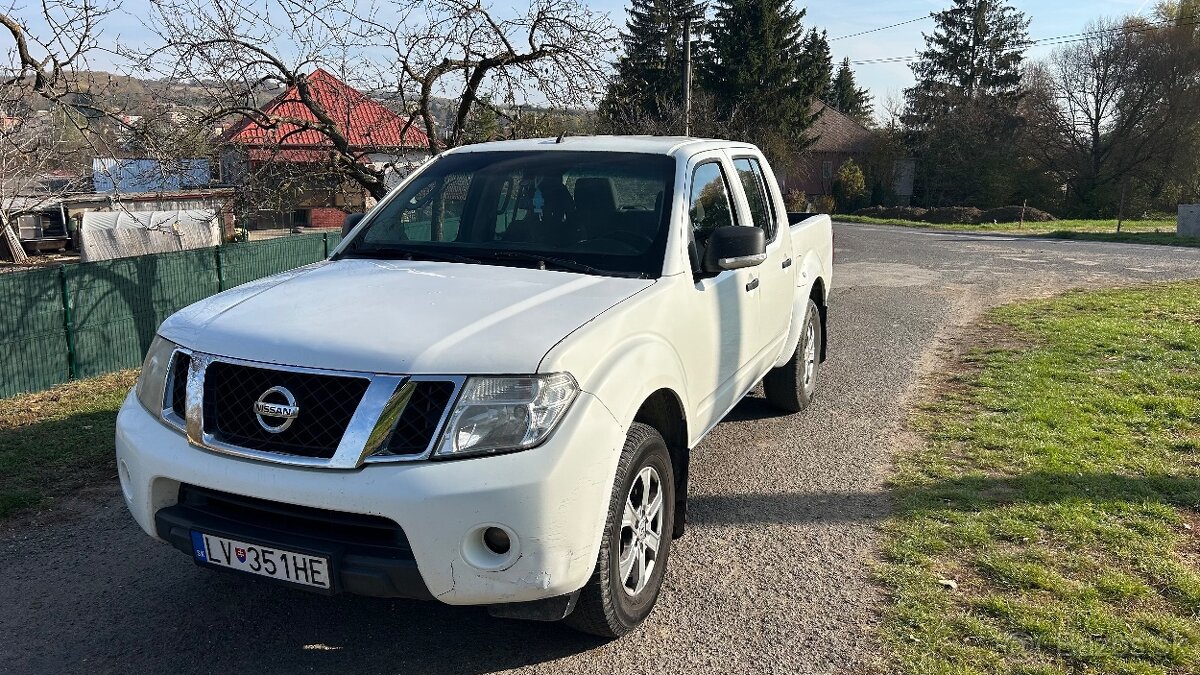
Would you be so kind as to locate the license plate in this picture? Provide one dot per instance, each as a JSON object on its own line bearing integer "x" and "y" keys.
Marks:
{"x": 298, "y": 568}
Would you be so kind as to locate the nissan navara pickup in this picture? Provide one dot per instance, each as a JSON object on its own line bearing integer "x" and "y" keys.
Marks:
{"x": 489, "y": 392}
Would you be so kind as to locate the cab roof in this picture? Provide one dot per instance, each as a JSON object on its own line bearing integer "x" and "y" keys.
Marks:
{"x": 651, "y": 145}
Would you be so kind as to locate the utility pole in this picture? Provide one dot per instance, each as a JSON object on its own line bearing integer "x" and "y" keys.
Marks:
{"x": 687, "y": 76}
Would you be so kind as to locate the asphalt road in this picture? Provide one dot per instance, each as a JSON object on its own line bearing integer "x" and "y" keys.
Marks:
{"x": 773, "y": 575}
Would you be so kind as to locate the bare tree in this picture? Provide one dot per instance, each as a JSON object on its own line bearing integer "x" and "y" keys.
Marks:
{"x": 34, "y": 169}
{"x": 1110, "y": 108}
{"x": 556, "y": 50}
{"x": 229, "y": 53}
{"x": 46, "y": 63}
{"x": 44, "y": 101}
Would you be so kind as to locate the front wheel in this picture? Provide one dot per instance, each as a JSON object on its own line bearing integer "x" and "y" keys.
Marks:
{"x": 793, "y": 386}
{"x": 637, "y": 540}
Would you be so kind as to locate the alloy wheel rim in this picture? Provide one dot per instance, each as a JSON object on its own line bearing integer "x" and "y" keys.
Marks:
{"x": 641, "y": 531}
{"x": 810, "y": 355}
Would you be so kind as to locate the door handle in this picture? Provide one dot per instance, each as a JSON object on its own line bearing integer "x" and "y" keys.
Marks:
{"x": 752, "y": 285}
{"x": 787, "y": 263}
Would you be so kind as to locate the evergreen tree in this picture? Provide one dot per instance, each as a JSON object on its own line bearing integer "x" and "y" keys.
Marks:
{"x": 483, "y": 124}
{"x": 961, "y": 116}
{"x": 649, "y": 75}
{"x": 818, "y": 62}
{"x": 755, "y": 68}
{"x": 974, "y": 53}
{"x": 845, "y": 95}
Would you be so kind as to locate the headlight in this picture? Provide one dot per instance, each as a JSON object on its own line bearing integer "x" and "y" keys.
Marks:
{"x": 152, "y": 382}
{"x": 506, "y": 413}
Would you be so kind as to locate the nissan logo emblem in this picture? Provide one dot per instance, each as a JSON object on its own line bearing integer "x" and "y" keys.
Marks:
{"x": 281, "y": 415}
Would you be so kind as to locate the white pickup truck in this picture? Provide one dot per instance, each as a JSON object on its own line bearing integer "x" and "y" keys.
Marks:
{"x": 488, "y": 394}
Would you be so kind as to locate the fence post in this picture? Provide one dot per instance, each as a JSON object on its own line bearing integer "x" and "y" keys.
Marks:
{"x": 220, "y": 270}
{"x": 325, "y": 241}
{"x": 68, "y": 322}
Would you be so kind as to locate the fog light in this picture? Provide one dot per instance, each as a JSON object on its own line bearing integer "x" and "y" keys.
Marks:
{"x": 491, "y": 547}
{"x": 496, "y": 540}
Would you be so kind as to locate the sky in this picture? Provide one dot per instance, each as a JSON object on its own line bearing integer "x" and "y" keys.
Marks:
{"x": 1049, "y": 18}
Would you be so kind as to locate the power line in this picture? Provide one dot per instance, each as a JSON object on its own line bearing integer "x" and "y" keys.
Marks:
{"x": 876, "y": 30}
{"x": 1126, "y": 30}
{"x": 1053, "y": 41}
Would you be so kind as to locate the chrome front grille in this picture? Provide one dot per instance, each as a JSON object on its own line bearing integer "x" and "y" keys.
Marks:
{"x": 341, "y": 419}
{"x": 326, "y": 402}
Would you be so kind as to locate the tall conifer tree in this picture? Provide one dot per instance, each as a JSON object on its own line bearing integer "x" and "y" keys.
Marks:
{"x": 759, "y": 75}
{"x": 975, "y": 53}
{"x": 649, "y": 74}
{"x": 845, "y": 95}
{"x": 817, "y": 62}
{"x": 961, "y": 117}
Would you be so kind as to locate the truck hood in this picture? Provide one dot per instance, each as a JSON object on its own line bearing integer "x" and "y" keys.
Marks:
{"x": 399, "y": 317}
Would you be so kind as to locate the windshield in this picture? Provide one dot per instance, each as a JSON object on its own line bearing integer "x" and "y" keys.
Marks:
{"x": 591, "y": 212}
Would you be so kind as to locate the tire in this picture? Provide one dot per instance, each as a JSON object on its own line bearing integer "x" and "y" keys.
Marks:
{"x": 793, "y": 386}
{"x": 612, "y": 604}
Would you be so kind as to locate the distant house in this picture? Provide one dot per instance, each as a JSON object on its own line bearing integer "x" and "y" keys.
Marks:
{"x": 289, "y": 147}
{"x": 839, "y": 137}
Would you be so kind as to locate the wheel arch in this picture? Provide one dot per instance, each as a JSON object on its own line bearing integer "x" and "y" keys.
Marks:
{"x": 817, "y": 292}
{"x": 820, "y": 296}
{"x": 640, "y": 378}
{"x": 663, "y": 410}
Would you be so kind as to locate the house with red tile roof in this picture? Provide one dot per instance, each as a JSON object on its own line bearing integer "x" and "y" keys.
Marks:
{"x": 286, "y": 143}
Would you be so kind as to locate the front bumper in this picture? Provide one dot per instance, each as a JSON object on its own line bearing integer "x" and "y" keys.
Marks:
{"x": 553, "y": 499}
{"x": 379, "y": 564}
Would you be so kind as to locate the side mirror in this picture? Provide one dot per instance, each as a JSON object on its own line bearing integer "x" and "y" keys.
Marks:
{"x": 350, "y": 221}
{"x": 733, "y": 247}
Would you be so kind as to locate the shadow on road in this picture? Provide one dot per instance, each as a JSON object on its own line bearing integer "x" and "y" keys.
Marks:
{"x": 753, "y": 408}
{"x": 210, "y": 622}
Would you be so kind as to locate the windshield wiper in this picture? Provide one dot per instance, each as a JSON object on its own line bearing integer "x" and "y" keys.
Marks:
{"x": 411, "y": 253}
{"x": 545, "y": 261}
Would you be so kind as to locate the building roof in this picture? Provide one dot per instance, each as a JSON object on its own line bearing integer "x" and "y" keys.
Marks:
{"x": 836, "y": 131}
{"x": 148, "y": 175}
{"x": 367, "y": 124}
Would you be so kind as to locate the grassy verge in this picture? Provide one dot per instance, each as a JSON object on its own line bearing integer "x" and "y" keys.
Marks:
{"x": 57, "y": 441}
{"x": 1050, "y": 524}
{"x": 1132, "y": 231}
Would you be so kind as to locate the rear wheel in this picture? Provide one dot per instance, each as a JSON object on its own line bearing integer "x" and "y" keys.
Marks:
{"x": 793, "y": 386}
{"x": 637, "y": 540}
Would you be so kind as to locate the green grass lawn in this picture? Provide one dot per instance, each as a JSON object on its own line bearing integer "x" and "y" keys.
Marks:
{"x": 57, "y": 441}
{"x": 1132, "y": 231}
{"x": 1050, "y": 523}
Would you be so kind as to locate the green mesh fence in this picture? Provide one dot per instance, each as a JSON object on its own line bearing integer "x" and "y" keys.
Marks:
{"x": 33, "y": 351}
{"x": 334, "y": 238}
{"x": 257, "y": 259}
{"x": 115, "y": 306}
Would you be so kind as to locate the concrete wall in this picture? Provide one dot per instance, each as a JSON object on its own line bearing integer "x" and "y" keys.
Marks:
{"x": 1189, "y": 220}
{"x": 1188, "y": 223}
